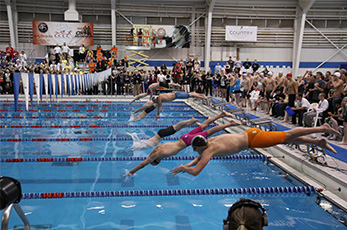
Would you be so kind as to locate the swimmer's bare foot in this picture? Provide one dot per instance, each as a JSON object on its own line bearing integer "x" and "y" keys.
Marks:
{"x": 324, "y": 144}
{"x": 328, "y": 129}
{"x": 234, "y": 123}
{"x": 227, "y": 114}
{"x": 193, "y": 121}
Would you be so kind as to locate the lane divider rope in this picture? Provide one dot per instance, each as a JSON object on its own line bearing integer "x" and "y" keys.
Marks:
{"x": 173, "y": 192}
{"x": 94, "y": 117}
{"x": 172, "y": 158}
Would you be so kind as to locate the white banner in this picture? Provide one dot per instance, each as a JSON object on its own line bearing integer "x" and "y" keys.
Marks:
{"x": 162, "y": 36}
{"x": 52, "y": 33}
{"x": 37, "y": 86}
{"x": 241, "y": 33}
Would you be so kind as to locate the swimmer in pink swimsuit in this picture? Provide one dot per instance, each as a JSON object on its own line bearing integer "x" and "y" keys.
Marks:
{"x": 172, "y": 148}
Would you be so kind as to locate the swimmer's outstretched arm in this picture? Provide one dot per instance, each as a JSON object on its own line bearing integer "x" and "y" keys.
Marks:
{"x": 199, "y": 163}
{"x": 143, "y": 164}
{"x": 138, "y": 97}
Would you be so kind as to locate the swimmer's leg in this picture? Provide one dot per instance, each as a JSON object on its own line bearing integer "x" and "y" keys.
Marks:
{"x": 138, "y": 97}
{"x": 306, "y": 140}
{"x": 297, "y": 132}
{"x": 183, "y": 124}
{"x": 193, "y": 94}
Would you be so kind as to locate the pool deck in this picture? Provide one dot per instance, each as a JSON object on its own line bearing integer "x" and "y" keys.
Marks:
{"x": 331, "y": 177}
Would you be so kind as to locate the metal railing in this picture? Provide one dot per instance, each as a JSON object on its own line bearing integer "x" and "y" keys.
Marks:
{"x": 6, "y": 216}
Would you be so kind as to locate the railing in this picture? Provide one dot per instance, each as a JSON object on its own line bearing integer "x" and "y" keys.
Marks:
{"x": 6, "y": 216}
{"x": 147, "y": 41}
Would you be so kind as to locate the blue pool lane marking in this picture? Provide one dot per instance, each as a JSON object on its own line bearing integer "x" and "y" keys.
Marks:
{"x": 127, "y": 224}
{"x": 172, "y": 180}
{"x": 128, "y": 183}
{"x": 183, "y": 223}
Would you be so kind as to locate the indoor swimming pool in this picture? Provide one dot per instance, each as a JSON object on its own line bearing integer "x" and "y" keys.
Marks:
{"x": 71, "y": 158}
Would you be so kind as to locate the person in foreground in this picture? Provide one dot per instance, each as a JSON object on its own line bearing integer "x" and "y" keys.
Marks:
{"x": 154, "y": 141}
{"x": 246, "y": 214}
{"x": 168, "y": 97}
{"x": 172, "y": 148}
{"x": 228, "y": 144}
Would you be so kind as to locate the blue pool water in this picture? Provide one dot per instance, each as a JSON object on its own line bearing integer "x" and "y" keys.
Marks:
{"x": 286, "y": 210}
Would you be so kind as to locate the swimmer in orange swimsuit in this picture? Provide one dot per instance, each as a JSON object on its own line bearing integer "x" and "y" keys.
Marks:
{"x": 228, "y": 144}
{"x": 172, "y": 148}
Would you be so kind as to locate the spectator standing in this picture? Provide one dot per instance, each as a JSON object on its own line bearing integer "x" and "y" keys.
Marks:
{"x": 137, "y": 81}
{"x": 127, "y": 83}
{"x": 57, "y": 52}
{"x": 82, "y": 53}
{"x": 65, "y": 50}
{"x": 152, "y": 78}
{"x": 337, "y": 84}
{"x": 186, "y": 81}
{"x": 247, "y": 64}
{"x": 139, "y": 37}
{"x": 209, "y": 82}
{"x": 238, "y": 65}
{"x": 291, "y": 90}
{"x": 120, "y": 83}
{"x": 255, "y": 66}
{"x": 218, "y": 68}
{"x": 114, "y": 51}
{"x": 9, "y": 52}
{"x": 319, "y": 87}
{"x": 92, "y": 66}
{"x": 231, "y": 63}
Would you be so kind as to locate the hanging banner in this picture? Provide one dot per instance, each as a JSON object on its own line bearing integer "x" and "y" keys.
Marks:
{"x": 37, "y": 86}
{"x": 31, "y": 87}
{"x": 25, "y": 80}
{"x": 161, "y": 36}
{"x": 16, "y": 84}
{"x": 241, "y": 33}
{"x": 52, "y": 33}
{"x": 45, "y": 77}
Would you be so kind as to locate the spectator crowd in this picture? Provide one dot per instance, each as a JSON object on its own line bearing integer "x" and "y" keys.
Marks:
{"x": 304, "y": 100}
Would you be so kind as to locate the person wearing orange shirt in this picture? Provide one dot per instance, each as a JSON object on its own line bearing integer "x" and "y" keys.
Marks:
{"x": 114, "y": 51}
{"x": 92, "y": 66}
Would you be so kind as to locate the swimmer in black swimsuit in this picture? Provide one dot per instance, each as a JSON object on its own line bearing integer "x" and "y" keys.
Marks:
{"x": 151, "y": 89}
{"x": 145, "y": 112}
{"x": 154, "y": 141}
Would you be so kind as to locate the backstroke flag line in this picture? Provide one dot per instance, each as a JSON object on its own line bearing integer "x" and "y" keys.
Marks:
{"x": 52, "y": 84}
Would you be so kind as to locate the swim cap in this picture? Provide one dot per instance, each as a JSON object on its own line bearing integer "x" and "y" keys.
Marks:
{"x": 155, "y": 162}
{"x": 199, "y": 141}
{"x": 154, "y": 99}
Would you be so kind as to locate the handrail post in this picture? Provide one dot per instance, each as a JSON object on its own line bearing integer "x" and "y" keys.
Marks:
{"x": 6, "y": 216}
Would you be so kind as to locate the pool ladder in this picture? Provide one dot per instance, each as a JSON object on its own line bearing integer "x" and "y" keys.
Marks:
{"x": 6, "y": 216}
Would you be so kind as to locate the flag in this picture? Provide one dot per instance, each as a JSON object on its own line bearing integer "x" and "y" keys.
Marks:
{"x": 16, "y": 83}
{"x": 25, "y": 79}
{"x": 31, "y": 87}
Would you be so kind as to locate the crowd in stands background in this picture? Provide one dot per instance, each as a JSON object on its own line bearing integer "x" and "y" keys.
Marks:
{"x": 281, "y": 96}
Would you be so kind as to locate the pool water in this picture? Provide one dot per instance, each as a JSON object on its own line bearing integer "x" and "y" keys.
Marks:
{"x": 288, "y": 210}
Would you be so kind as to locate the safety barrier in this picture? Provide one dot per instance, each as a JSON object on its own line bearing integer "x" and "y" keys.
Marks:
{"x": 80, "y": 159}
{"x": 173, "y": 192}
